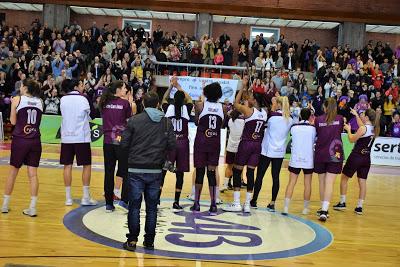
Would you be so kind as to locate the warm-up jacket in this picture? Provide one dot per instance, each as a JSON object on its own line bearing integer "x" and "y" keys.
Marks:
{"x": 148, "y": 136}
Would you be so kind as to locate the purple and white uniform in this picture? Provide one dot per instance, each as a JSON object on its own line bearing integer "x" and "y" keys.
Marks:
{"x": 181, "y": 128}
{"x": 359, "y": 160}
{"x": 26, "y": 147}
{"x": 207, "y": 144}
{"x": 250, "y": 145}
{"x": 329, "y": 146}
{"x": 115, "y": 115}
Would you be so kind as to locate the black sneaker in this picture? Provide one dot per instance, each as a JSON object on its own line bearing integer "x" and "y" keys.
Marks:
{"x": 340, "y": 206}
{"x": 323, "y": 216}
{"x": 253, "y": 204}
{"x": 243, "y": 184}
{"x": 319, "y": 213}
{"x": 131, "y": 246}
{"x": 230, "y": 186}
{"x": 195, "y": 208}
{"x": 148, "y": 245}
{"x": 213, "y": 211}
{"x": 176, "y": 207}
{"x": 271, "y": 207}
{"x": 358, "y": 210}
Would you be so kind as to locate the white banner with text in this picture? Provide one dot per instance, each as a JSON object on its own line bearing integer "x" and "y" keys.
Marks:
{"x": 386, "y": 151}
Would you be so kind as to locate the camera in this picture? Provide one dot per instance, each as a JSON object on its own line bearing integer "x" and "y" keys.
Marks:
{"x": 169, "y": 166}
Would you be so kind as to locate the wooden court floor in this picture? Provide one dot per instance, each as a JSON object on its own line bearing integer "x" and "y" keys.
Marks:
{"x": 372, "y": 239}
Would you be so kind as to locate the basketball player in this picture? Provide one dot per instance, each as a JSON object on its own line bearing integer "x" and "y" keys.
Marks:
{"x": 207, "y": 144}
{"x": 115, "y": 111}
{"x": 179, "y": 115}
{"x": 76, "y": 111}
{"x": 360, "y": 158}
{"x": 301, "y": 158}
{"x": 26, "y": 148}
{"x": 235, "y": 125}
{"x": 329, "y": 151}
{"x": 249, "y": 147}
{"x": 273, "y": 148}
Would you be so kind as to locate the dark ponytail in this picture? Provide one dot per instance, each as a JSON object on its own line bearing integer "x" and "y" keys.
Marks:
{"x": 109, "y": 93}
{"x": 179, "y": 98}
{"x": 260, "y": 99}
{"x": 375, "y": 119}
{"x": 234, "y": 114}
{"x": 33, "y": 87}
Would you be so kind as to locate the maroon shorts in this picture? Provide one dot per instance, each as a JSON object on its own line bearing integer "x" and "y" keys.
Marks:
{"x": 205, "y": 158}
{"x": 331, "y": 167}
{"x": 298, "y": 170}
{"x": 25, "y": 151}
{"x": 357, "y": 163}
{"x": 82, "y": 152}
{"x": 181, "y": 156}
{"x": 230, "y": 157}
{"x": 248, "y": 154}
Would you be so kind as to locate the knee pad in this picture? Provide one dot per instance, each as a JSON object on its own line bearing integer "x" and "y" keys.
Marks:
{"x": 179, "y": 180}
{"x": 200, "y": 175}
{"x": 237, "y": 177}
{"x": 250, "y": 179}
{"x": 212, "y": 178}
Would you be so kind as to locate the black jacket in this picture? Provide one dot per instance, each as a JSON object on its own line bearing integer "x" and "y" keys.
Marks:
{"x": 148, "y": 141}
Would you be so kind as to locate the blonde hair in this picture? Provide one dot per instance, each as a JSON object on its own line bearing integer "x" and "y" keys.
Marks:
{"x": 283, "y": 102}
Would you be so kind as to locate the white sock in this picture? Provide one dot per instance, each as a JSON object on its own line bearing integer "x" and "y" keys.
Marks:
{"x": 306, "y": 203}
{"x": 86, "y": 191}
{"x": 287, "y": 202}
{"x": 68, "y": 192}
{"x": 360, "y": 203}
{"x": 236, "y": 197}
{"x": 342, "y": 199}
{"x": 6, "y": 201}
{"x": 226, "y": 181}
{"x": 325, "y": 205}
{"x": 33, "y": 202}
{"x": 217, "y": 192}
{"x": 248, "y": 197}
{"x": 117, "y": 192}
{"x": 193, "y": 190}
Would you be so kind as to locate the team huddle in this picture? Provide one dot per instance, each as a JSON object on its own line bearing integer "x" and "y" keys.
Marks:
{"x": 258, "y": 137}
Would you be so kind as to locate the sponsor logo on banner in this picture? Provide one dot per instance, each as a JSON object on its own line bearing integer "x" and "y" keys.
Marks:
{"x": 194, "y": 87}
{"x": 386, "y": 151}
{"x": 96, "y": 131}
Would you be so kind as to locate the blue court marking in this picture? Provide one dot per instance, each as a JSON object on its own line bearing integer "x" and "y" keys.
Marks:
{"x": 73, "y": 221}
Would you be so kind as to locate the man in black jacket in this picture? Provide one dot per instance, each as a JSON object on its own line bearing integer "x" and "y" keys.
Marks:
{"x": 148, "y": 136}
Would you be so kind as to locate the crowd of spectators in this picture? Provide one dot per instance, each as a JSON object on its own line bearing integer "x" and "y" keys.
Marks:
{"x": 306, "y": 73}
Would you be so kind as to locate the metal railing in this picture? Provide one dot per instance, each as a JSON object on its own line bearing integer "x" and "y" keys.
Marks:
{"x": 1, "y": 127}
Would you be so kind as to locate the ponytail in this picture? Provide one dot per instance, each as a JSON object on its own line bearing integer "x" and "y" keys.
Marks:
{"x": 179, "y": 98}
{"x": 375, "y": 119}
{"x": 109, "y": 93}
{"x": 283, "y": 102}
{"x": 234, "y": 114}
{"x": 330, "y": 106}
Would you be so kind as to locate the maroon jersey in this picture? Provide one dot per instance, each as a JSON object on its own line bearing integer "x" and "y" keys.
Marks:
{"x": 364, "y": 144}
{"x": 181, "y": 125}
{"x": 329, "y": 146}
{"x": 254, "y": 126}
{"x": 29, "y": 116}
{"x": 209, "y": 127}
{"x": 115, "y": 115}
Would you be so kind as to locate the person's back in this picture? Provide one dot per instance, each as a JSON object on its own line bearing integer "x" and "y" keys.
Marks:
{"x": 303, "y": 140}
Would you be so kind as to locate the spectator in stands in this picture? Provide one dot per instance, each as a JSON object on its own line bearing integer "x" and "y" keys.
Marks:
{"x": 243, "y": 57}
{"x": 219, "y": 58}
{"x": 59, "y": 44}
{"x": 394, "y": 127}
{"x": 52, "y": 102}
{"x": 223, "y": 38}
{"x": 97, "y": 68}
{"x": 289, "y": 61}
{"x": 196, "y": 56}
{"x": 207, "y": 50}
{"x": 228, "y": 53}
{"x": 244, "y": 41}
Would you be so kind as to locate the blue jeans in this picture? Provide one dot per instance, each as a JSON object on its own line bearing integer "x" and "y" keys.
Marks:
{"x": 147, "y": 184}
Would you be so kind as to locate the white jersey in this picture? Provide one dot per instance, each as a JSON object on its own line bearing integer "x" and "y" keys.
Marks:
{"x": 303, "y": 141}
{"x": 30, "y": 102}
{"x": 211, "y": 108}
{"x": 235, "y": 134}
{"x": 75, "y": 111}
{"x": 171, "y": 112}
{"x": 276, "y": 133}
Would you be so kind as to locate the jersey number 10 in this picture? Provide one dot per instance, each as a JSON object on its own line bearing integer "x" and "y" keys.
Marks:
{"x": 32, "y": 114}
{"x": 177, "y": 125}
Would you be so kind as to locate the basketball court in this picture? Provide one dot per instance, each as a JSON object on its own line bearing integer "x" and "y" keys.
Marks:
{"x": 87, "y": 236}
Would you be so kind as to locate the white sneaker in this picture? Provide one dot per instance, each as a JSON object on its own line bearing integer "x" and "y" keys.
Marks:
{"x": 223, "y": 189}
{"x": 30, "y": 212}
{"x": 88, "y": 202}
{"x": 219, "y": 201}
{"x": 69, "y": 202}
{"x": 235, "y": 207}
{"x": 5, "y": 209}
{"x": 190, "y": 197}
{"x": 246, "y": 207}
{"x": 285, "y": 211}
{"x": 305, "y": 211}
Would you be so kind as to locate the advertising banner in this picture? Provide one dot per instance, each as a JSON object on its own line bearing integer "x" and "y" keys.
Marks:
{"x": 194, "y": 87}
{"x": 386, "y": 151}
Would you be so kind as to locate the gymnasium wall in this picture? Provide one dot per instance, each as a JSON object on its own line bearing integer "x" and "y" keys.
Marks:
{"x": 324, "y": 37}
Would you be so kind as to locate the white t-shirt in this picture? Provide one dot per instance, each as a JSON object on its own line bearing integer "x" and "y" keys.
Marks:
{"x": 75, "y": 111}
{"x": 235, "y": 133}
{"x": 303, "y": 140}
{"x": 276, "y": 133}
